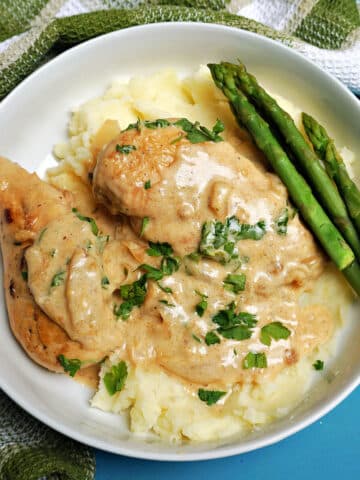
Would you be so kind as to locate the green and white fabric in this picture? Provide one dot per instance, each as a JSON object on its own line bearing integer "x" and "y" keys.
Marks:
{"x": 31, "y": 451}
{"x": 326, "y": 31}
{"x": 32, "y": 31}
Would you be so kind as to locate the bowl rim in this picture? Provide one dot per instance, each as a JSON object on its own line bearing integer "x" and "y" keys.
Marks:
{"x": 213, "y": 453}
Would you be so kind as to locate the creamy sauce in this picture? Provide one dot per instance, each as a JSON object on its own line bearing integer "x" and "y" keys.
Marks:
{"x": 190, "y": 184}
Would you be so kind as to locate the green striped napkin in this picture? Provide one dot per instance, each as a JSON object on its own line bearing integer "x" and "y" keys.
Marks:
{"x": 32, "y": 31}
{"x": 326, "y": 31}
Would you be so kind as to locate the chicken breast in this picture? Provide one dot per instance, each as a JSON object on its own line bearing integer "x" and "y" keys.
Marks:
{"x": 191, "y": 193}
{"x": 27, "y": 205}
{"x": 177, "y": 185}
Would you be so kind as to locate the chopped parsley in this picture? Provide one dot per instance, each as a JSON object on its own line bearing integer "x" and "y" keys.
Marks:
{"x": 235, "y": 282}
{"x": 210, "y": 397}
{"x": 165, "y": 302}
{"x": 42, "y": 234}
{"x": 159, "y": 123}
{"x": 114, "y": 379}
{"x": 255, "y": 360}
{"x": 24, "y": 275}
{"x": 133, "y": 295}
{"x": 177, "y": 139}
{"x": 125, "y": 148}
{"x": 164, "y": 289}
{"x": 105, "y": 282}
{"x": 144, "y": 224}
{"x": 194, "y": 256}
{"x": 94, "y": 227}
{"x": 58, "y": 279}
{"x": 211, "y": 338}
{"x": 70, "y": 365}
{"x": 147, "y": 184}
{"x": 318, "y": 365}
{"x": 236, "y": 326}
{"x": 158, "y": 249}
{"x": 133, "y": 126}
{"x": 101, "y": 241}
{"x": 202, "y": 305}
{"x": 196, "y": 338}
{"x": 196, "y": 133}
{"x": 152, "y": 273}
{"x": 169, "y": 265}
{"x": 281, "y": 222}
{"x": 53, "y": 252}
{"x": 273, "y": 330}
{"x": 218, "y": 240}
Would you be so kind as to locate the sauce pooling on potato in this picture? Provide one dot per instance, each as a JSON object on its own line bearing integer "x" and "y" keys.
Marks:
{"x": 202, "y": 276}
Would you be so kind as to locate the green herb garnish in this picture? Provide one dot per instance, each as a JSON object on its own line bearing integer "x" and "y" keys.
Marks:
{"x": 169, "y": 265}
{"x": 318, "y": 365}
{"x": 194, "y": 256}
{"x": 202, "y": 305}
{"x": 164, "y": 289}
{"x": 133, "y": 295}
{"x": 70, "y": 365}
{"x": 147, "y": 184}
{"x": 196, "y": 133}
{"x": 125, "y": 148}
{"x": 255, "y": 360}
{"x": 196, "y": 338}
{"x": 158, "y": 249}
{"x": 42, "y": 234}
{"x": 274, "y": 330}
{"x": 281, "y": 222}
{"x": 94, "y": 227}
{"x": 211, "y": 338}
{"x": 210, "y": 396}
{"x": 114, "y": 380}
{"x": 144, "y": 224}
{"x": 165, "y": 302}
{"x": 177, "y": 139}
{"x": 58, "y": 279}
{"x": 159, "y": 123}
{"x": 218, "y": 240}
{"x": 105, "y": 282}
{"x": 235, "y": 282}
{"x": 152, "y": 273}
{"x": 24, "y": 275}
{"x": 237, "y": 326}
{"x": 133, "y": 126}
{"x": 101, "y": 241}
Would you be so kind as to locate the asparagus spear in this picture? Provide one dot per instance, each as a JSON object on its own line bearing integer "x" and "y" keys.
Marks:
{"x": 307, "y": 160}
{"x": 301, "y": 194}
{"x": 324, "y": 146}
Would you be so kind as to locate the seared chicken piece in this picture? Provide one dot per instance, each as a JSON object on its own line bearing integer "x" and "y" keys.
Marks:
{"x": 27, "y": 205}
{"x": 178, "y": 185}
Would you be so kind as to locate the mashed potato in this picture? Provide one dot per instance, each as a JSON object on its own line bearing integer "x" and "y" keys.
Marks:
{"x": 155, "y": 400}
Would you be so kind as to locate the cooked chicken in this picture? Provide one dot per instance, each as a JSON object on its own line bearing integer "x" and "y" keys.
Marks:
{"x": 86, "y": 270}
{"x": 189, "y": 184}
{"x": 27, "y": 205}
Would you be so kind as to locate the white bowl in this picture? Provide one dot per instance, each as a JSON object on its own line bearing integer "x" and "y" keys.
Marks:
{"x": 33, "y": 118}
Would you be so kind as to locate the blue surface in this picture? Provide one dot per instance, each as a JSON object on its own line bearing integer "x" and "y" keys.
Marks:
{"x": 329, "y": 449}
